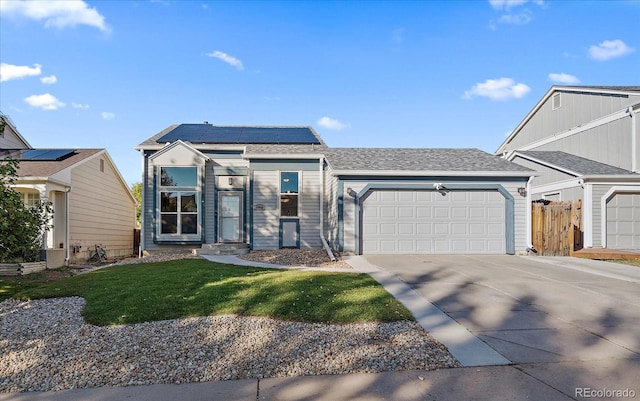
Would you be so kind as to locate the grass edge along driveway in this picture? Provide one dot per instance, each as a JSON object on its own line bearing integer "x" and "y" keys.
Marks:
{"x": 195, "y": 287}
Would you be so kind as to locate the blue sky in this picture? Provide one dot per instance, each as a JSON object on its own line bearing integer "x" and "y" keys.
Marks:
{"x": 110, "y": 74}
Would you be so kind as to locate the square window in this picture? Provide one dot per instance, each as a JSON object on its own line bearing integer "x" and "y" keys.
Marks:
{"x": 189, "y": 223}
{"x": 169, "y": 201}
{"x": 169, "y": 224}
{"x": 289, "y": 205}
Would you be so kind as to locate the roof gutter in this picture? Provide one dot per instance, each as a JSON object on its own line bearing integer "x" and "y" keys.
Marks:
{"x": 611, "y": 178}
{"x": 433, "y": 173}
{"x": 288, "y": 156}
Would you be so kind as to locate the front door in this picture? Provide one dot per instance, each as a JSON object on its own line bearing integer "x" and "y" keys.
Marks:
{"x": 230, "y": 216}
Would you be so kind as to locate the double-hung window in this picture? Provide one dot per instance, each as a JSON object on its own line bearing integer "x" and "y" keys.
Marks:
{"x": 289, "y": 190}
{"x": 179, "y": 203}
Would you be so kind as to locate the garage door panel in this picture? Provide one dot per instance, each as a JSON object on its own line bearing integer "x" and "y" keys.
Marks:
{"x": 458, "y": 228}
{"x": 388, "y": 229}
{"x": 369, "y": 228}
{"x": 405, "y": 197}
{"x": 623, "y": 221}
{"x": 459, "y": 212}
{"x": 427, "y": 222}
{"x": 477, "y": 229}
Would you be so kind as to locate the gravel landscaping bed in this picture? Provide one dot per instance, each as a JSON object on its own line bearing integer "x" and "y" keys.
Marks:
{"x": 296, "y": 257}
{"x": 46, "y": 345}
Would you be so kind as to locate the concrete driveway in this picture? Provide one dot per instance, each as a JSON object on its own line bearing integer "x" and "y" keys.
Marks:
{"x": 565, "y": 321}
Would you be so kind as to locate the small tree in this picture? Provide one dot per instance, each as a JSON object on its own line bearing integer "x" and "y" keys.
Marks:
{"x": 21, "y": 227}
{"x": 136, "y": 190}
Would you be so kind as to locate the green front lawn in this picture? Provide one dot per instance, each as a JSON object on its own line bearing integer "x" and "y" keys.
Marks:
{"x": 195, "y": 287}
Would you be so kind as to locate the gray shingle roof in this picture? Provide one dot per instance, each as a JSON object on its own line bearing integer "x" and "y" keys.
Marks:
{"x": 418, "y": 159}
{"x": 577, "y": 164}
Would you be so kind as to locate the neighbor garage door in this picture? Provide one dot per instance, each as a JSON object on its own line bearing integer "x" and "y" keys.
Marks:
{"x": 623, "y": 221}
{"x": 422, "y": 222}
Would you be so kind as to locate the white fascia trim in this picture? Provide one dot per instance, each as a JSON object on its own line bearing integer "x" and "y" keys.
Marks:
{"x": 612, "y": 179}
{"x": 429, "y": 173}
{"x": 603, "y": 206}
{"x": 542, "y": 162}
{"x": 576, "y": 130}
{"x": 557, "y": 186}
{"x": 174, "y": 145}
{"x": 587, "y": 215}
{"x": 310, "y": 156}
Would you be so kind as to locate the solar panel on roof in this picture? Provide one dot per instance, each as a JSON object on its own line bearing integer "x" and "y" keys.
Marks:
{"x": 204, "y": 133}
{"x": 45, "y": 154}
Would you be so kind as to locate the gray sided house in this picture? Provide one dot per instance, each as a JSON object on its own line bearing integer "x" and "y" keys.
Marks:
{"x": 584, "y": 142}
{"x": 283, "y": 187}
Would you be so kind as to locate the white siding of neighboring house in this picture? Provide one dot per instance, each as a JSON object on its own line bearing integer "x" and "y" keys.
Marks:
{"x": 9, "y": 140}
{"x": 576, "y": 109}
{"x": 101, "y": 211}
{"x": 610, "y": 144}
{"x": 598, "y": 191}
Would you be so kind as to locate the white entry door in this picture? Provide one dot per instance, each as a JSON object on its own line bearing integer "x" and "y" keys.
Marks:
{"x": 230, "y": 216}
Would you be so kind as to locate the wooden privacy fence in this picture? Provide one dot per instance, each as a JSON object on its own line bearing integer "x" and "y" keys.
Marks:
{"x": 556, "y": 227}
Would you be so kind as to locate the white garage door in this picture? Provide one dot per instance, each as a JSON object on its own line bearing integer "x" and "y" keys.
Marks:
{"x": 419, "y": 222}
{"x": 623, "y": 221}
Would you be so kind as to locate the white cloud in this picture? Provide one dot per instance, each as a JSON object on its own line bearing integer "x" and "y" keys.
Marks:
{"x": 513, "y": 12}
{"x": 498, "y": 89}
{"x": 563, "y": 78}
{"x": 51, "y": 79}
{"x": 507, "y": 4}
{"x": 45, "y": 102}
{"x": 10, "y": 71}
{"x": 522, "y": 18}
{"x": 107, "y": 115}
{"x": 55, "y": 13}
{"x": 609, "y": 49}
{"x": 332, "y": 124}
{"x": 232, "y": 61}
{"x": 79, "y": 106}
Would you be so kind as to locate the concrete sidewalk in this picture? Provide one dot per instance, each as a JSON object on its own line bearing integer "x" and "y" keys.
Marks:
{"x": 543, "y": 382}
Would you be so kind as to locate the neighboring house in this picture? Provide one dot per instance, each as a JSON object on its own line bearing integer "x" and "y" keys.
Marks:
{"x": 584, "y": 141}
{"x": 92, "y": 203}
{"x": 266, "y": 188}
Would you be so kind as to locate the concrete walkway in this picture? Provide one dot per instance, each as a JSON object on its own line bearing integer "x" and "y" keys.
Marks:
{"x": 571, "y": 331}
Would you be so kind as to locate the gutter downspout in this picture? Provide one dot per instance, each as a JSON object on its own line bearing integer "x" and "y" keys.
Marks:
{"x": 324, "y": 241}
{"x": 142, "y": 195}
{"x": 67, "y": 257}
{"x": 634, "y": 141}
{"x": 530, "y": 247}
